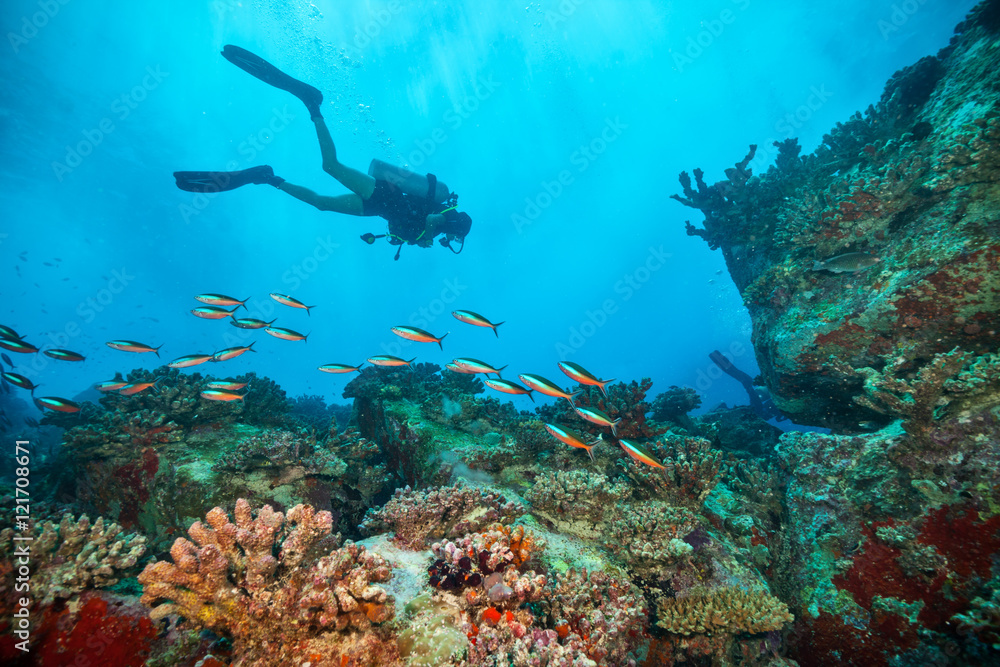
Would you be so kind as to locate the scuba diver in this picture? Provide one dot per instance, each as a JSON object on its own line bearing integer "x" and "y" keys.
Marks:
{"x": 418, "y": 208}
{"x": 760, "y": 400}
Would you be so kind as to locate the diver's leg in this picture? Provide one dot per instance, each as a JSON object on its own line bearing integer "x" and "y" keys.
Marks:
{"x": 357, "y": 182}
{"x": 349, "y": 204}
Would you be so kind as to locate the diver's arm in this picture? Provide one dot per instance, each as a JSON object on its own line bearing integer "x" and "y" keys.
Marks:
{"x": 351, "y": 204}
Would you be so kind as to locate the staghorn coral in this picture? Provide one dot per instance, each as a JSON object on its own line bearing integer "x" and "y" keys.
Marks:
{"x": 723, "y": 611}
{"x": 67, "y": 558}
{"x": 650, "y": 535}
{"x": 691, "y": 470}
{"x": 275, "y": 607}
{"x": 577, "y": 495}
{"x": 450, "y": 511}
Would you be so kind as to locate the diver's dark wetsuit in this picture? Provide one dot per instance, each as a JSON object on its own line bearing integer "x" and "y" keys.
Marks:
{"x": 407, "y": 215}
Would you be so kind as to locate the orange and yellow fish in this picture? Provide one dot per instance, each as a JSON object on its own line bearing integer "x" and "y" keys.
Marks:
{"x": 218, "y": 395}
{"x": 583, "y": 376}
{"x": 225, "y": 385}
{"x": 547, "y": 387}
{"x": 340, "y": 368}
{"x": 509, "y": 387}
{"x": 475, "y": 319}
{"x": 133, "y": 388}
{"x": 595, "y": 416}
{"x": 56, "y": 403}
{"x": 571, "y": 438}
{"x": 110, "y": 385}
{"x": 640, "y": 454}
{"x": 286, "y": 334}
{"x": 190, "y": 360}
{"x": 418, "y": 335}
{"x": 213, "y": 312}
{"x": 132, "y": 346}
{"x": 251, "y": 323}
{"x": 477, "y": 366}
{"x": 232, "y": 352}
{"x": 389, "y": 360}
{"x": 286, "y": 300}
{"x": 221, "y": 300}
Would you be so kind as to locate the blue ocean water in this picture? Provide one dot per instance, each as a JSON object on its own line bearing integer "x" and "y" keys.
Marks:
{"x": 561, "y": 125}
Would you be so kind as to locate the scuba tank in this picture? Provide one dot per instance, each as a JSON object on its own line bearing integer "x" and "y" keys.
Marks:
{"x": 416, "y": 185}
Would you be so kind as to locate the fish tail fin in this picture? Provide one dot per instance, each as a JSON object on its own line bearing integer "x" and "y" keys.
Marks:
{"x": 244, "y": 305}
{"x": 441, "y": 339}
{"x": 530, "y": 396}
{"x": 600, "y": 385}
{"x": 308, "y": 308}
{"x": 250, "y": 347}
{"x": 500, "y": 369}
{"x": 590, "y": 453}
{"x": 574, "y": 395}
{"x": 494, "y": 327}
{"x": 817, "y": 266}
{"x": 614, "y": 427}
{"x": 411, "y": 361}
{"x": 157, "y": 350}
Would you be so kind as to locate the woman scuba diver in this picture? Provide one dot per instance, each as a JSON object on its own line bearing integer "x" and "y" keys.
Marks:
{"x": 418, "y": 208}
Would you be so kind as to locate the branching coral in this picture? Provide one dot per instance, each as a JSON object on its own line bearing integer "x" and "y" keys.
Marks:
{"x": 650, "y": 534}
{"x": 575, "y": 495}
{"x": 68, "y": 557}
{"x": 450, "y": 511}
{"x": 727, "y": 610}
{"x": 273, "y": 607}
{"x": 691, "y": 470}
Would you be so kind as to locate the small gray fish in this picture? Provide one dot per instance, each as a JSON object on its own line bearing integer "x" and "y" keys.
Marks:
{"x": 851, "y": 262}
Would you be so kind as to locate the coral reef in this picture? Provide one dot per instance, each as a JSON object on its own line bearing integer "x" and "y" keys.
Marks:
{"x": 453, "y": 511}
{"x": 738, "y": 430}
{"x": 575, "y": 500}
{"x": 649, "y": 535}
{"x": 726, "y": 611}
{"x": 691, "y": 470}
{"x": 624, "y": 401}
{"x": 910, "y": 182}
{"x": 673, "y": 405}
{"x": 306, "y": 600}
{"x": 66, "y": 558}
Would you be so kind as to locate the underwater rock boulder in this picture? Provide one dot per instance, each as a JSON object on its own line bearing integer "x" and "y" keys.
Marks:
{"x": 881, "y": 244}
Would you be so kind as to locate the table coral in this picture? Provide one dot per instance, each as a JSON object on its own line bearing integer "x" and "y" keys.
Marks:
{"x": 306, "y": 600}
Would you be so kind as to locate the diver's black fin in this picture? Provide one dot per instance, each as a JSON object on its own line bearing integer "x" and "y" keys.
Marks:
{"x": 268, "y": 73}
{"x": 218, "y": 181}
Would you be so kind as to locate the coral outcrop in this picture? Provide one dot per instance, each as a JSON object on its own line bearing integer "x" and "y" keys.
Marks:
{"x": 274, "y": 587}
{"x": 910, "y": 182}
